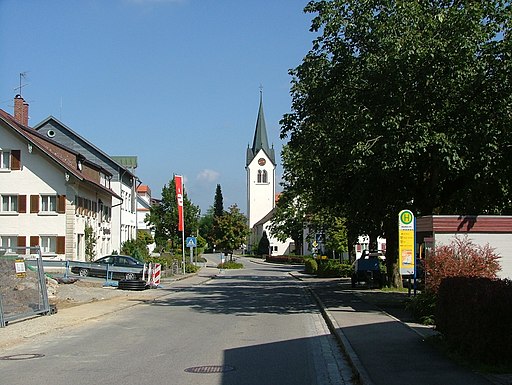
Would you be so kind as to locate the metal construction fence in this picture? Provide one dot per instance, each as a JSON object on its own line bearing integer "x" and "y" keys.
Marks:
{"x": 67, "y": 268}
{"x": 23, "y": 290}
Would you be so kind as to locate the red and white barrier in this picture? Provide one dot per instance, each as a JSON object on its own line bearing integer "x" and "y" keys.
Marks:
{"x": 156, "y": 274}
{"x": 151, "y": 274}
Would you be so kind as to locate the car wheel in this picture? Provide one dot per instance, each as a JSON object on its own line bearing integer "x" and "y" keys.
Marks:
{"x": 130, "y": 276}
{"x": 83, "y": 272}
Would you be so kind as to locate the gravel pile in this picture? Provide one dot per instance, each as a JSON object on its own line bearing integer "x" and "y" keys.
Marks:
{"x": 71, "y": 294}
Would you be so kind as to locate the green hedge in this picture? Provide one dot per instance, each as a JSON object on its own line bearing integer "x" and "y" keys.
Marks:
{"x": 474, "y": 316}
{"x": 296, "y": 259}
{"x": 310, "y": 265}
{"x": 327, "y": 268}
{"x": 331, "y": 268}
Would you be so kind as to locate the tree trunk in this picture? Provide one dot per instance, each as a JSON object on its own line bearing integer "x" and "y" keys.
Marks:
{"x": 394, "y": 277}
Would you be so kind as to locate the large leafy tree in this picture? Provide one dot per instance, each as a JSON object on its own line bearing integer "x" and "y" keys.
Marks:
{"x": 232, "y": 229}
{"x": 402, "y": 104}
{"x": 163, "y": 218}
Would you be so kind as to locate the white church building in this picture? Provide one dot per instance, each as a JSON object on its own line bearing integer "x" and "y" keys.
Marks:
{"x": 261, "y": 189}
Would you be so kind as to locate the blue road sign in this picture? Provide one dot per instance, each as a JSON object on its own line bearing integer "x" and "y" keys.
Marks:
{"x": 191, "y": 242}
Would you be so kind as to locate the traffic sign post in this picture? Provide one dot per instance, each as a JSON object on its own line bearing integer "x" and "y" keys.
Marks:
{"x": 407, "y": 245}
{"x": 191, "y": 242}
{"x": 406, "y": 242}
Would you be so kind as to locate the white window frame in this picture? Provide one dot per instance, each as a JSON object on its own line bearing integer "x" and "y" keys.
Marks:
{"x": 9, "y": 243}
{"x": 12, "y": 204}
{"x": 48, "y": 244}
{"x": 48, "y": 204}
{"x": 5, "y": 159}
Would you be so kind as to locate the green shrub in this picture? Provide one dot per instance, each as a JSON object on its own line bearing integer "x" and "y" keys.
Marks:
{"x": 190, "y": 268}
{"x": 346, "y": 269}
{"x": 423, "y": 307}
{"x": 310, "y": 265}
{"x": 473, "y": 315}
{"x": 461, "y": 258}
{"x": 328, "y": 268}
{"x": 332, "y": 268}
{"x": 165, "y": 259}
{"x": 263, "y": 245}
{"x": 230, "y": 265}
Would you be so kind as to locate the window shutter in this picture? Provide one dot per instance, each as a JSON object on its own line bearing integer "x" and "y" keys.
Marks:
{"x": 61, "y": 205}
{"x": 22, "y": 204}
{"x": 34, "y": 241}
{"x": 22, "y": 241}
{"x": 61, "y": 245}
{"x": 15, "y": 160}
{"x": 34, "y": 203}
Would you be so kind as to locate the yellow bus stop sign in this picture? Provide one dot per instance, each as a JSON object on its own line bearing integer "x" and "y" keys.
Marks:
{"x": 406, "y": 242}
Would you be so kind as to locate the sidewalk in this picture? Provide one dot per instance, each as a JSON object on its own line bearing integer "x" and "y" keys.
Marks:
{"x": 383, "y": 349}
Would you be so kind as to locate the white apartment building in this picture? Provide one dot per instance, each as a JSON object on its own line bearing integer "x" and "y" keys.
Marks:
{"x": 50, "y": 193}
{"x": 123, "y": 180}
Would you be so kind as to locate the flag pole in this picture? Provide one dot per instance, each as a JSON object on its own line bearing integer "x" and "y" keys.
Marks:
{"x": 178, "y": 181}
{"x": 183, "y": 249}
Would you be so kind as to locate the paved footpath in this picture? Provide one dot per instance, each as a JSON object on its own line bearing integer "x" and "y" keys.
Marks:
{"x": 383, "y": 349}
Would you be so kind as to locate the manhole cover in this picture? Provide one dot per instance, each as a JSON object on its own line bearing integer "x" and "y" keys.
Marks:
{"x": 16, "y": 357}
{"x": 210, "y": 369}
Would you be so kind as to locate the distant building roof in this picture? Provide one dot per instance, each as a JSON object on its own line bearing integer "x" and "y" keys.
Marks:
{"x": 129, "y": 162}
{"x": 144, "y": 189}
{"x": 63, "y": 156}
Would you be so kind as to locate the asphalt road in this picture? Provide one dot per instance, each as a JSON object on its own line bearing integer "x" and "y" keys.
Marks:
{"x": 252, "y": 326}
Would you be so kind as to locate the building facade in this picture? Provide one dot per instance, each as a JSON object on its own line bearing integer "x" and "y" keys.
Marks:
{"x": 123, "y": 180}
{"x": 50, "y": 194}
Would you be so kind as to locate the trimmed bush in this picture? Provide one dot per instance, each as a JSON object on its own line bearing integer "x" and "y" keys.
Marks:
{"x": 310, "y": 265}
{"x": 190, "y": 268}
{"x": 331, "y": 268}
{"x": 461, "y": 258}
{"x": 474, "y": 315}
{"x": 263, "y": 245}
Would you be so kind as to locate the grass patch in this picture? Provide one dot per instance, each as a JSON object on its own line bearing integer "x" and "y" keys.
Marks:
{"x": 230, "y": 265}
{"x": 388, "y": 289}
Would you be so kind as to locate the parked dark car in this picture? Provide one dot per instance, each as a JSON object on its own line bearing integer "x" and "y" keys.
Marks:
{"x": 368, "y": 269}
{"x": 119, "y": 267}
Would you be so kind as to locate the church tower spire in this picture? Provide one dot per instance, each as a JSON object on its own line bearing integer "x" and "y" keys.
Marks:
{"x": 261, "y": 172}
{"x": 260, "y": 141}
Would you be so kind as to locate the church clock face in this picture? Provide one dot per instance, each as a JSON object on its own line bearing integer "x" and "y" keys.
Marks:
{"x": 262, "y": 162}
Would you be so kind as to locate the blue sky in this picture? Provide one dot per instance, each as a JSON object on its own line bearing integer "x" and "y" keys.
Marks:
{"x": 174, "y": 82}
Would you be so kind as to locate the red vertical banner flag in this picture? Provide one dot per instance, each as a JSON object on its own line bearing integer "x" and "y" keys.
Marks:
{"x": 178, "y": 181}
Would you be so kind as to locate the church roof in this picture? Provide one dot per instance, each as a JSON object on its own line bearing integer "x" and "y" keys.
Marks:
{"x": 260, "y": 141}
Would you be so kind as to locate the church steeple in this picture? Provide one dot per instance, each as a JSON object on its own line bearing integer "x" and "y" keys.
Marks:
{"x": 260, "y": 141}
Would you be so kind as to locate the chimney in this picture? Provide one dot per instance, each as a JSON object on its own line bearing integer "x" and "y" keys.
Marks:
{"x": 20, "y": 110}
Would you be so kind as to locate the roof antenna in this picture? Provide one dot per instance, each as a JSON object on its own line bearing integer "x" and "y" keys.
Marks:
{"x": 23, "y": 75}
